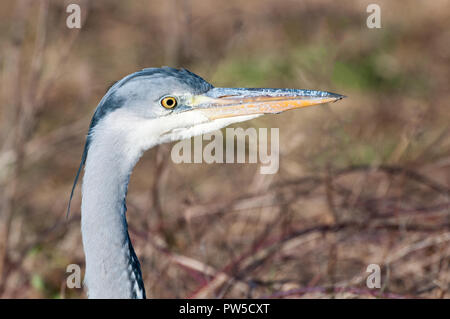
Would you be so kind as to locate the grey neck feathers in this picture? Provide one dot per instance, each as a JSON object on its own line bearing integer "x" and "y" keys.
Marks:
{"x": 112, "y": 268}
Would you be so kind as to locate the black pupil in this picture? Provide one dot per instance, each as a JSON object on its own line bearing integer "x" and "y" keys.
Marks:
{"x": 170, "y": 102}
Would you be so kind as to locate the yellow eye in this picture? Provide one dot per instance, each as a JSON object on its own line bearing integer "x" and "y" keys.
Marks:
{"x": 169, "y": 102}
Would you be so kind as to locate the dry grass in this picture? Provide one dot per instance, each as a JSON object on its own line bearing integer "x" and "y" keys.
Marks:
{"x": 363, "y": 181}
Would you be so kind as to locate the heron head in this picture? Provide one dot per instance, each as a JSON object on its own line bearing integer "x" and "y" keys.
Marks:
{"x": 159, "y": 105}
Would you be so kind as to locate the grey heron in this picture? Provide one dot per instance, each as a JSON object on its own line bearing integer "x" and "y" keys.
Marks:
{"x": 142, "y": 110}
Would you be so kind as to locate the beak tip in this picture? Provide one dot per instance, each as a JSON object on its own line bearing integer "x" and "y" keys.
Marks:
{"x": 338, "y": 97}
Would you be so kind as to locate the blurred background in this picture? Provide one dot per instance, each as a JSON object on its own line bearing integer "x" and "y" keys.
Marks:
{"x": 363, "y": 181}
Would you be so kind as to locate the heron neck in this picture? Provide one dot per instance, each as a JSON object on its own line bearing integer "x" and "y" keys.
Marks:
{"x": 112, "y": 268}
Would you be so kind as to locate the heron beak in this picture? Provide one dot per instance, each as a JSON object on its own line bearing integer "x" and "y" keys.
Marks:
{"x": 230, "y": 102}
